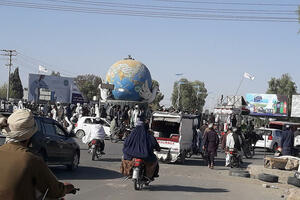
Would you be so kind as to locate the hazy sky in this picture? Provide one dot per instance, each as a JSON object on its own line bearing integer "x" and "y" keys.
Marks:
{"x": 215, "y": 52}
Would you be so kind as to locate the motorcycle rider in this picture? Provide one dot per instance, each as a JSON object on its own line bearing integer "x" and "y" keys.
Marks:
{"x": 141, "y": 144}
{"x": 22, "y": 172}
{"x": 97, "y": 132}
{"x": 233, "y": 141}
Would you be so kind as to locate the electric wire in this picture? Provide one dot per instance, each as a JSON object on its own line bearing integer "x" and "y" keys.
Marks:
{"x": 174, "y": 15}
{"x": 229, "y": 3}
{"x": 175, "y": 8}
{"x": 36, "y": 62}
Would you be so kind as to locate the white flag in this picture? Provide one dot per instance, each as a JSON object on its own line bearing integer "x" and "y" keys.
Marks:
{"x": 42, "y": 69}
{"x": 248, "y": 76}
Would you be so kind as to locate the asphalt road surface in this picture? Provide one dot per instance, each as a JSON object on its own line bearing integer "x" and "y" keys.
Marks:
{"x": 101, "y": 180}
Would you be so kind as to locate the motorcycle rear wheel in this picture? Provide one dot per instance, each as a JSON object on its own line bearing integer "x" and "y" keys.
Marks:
{"x": 137, "y": 184}
{"x": 248, "y": 151}
{"x": 93, "y": 153}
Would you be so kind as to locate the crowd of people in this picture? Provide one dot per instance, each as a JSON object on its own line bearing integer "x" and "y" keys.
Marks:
{"x": 23, "y": 167}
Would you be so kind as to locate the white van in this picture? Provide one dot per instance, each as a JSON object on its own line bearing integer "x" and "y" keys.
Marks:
{"x": 174, "y": 132}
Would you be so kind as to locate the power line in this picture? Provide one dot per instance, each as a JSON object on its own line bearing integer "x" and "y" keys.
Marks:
{"x": 173, "y": 15}
{"x": 35, "y": 62}
{"x": 175, "y": 8}
{"x": 229, "y": 3}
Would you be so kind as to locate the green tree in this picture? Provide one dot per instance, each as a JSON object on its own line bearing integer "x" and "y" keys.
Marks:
{"x": 189, "y": 96}
{"x": 88, "y": 85}
{"x": 16, "y": 88}
{"x": 3, "y": 91}
{"x": 283, "y": 86}
{"x": 159, "y": 97}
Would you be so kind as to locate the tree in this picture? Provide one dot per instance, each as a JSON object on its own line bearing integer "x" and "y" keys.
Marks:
{"x": 159, "y": 97}
{"x": 3, "y": 91}
{"x": 88, "y": 85}
{"x": 53, "y": 73}
{"x": 16, "y": 88}
{"x": 189, "y": 96}
{"x": 283, "y": 86}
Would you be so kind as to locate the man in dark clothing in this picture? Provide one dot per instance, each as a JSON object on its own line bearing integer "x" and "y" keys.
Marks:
{"x": 287, "y": 142}
{"x": 211, "y": 143}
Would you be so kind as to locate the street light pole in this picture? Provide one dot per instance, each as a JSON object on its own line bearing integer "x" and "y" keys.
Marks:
{"x": 178, "y": 96}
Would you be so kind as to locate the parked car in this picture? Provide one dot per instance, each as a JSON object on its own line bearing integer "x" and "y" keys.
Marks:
{"x": 2, "y": 137}
{"x": 55, "y": 144}
{"x": 84, "y": 124}
{"x": 268, "y": 137}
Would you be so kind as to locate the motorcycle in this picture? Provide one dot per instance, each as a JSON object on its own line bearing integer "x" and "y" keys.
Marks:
{"x": 235, "y": 158}
{"x": 139, "y": 177}
{"x": 121, "y": 134}
{"x": 95, "y": 147}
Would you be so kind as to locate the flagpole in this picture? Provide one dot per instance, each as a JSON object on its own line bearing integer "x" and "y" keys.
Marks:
{"x": 239, "y": 86}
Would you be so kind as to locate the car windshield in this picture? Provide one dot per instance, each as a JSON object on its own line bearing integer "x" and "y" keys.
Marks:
{"x": 263, "y": 132}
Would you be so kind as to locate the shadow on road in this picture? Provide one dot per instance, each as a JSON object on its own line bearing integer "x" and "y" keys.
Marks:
{"x": 179, "y": 188}
{"x": 110, "y": 159}
{"x": 85, "y": 173}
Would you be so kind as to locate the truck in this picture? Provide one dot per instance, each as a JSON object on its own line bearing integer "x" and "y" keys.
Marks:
{"x": 174, "y": 133}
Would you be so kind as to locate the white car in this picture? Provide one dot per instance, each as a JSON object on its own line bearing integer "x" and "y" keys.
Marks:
{"x": 84, "y": 124}
{"x": 269, "y": 137}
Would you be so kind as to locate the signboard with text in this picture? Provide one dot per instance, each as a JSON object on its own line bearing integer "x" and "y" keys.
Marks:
{"x": 271, "y": 105}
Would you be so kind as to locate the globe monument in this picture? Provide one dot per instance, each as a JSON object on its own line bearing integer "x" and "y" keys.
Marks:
{"x": 131, "y": 79}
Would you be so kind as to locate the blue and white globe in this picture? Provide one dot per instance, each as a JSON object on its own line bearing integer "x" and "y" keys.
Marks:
{"x": 128, "y": 76}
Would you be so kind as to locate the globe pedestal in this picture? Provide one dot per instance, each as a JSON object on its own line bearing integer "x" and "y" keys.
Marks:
{"x": 124, "y": 103}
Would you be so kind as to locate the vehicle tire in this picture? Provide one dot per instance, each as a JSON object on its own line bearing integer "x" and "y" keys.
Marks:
{"x": 181, "y": 158}
{"x": 275, "y": 146}
{"x": 75, "y": 162}
{"x": 189, "y": 154}
{"x": 268, "y": 178}
{"x": 239, "y": 173}
{"x": 293, "y": 181}
{"x": 80, "y": 134}
{"x": 93, "y": 153}
{"x": 234, "y": 163}
{"x": 247, "y": 151}
{"x": 137, "y": 184}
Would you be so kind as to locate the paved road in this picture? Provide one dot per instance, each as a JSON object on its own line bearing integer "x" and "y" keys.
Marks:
{"x": 193, "y": 180}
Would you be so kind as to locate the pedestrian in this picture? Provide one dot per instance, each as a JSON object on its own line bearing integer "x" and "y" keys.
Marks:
{"x": 24, "y": 174}
{"x": 287, "y": 142}
{"x": 211, "y": 143}
{"x": 136, "y": 113}
{"x": 114, "y": 127}
{"x": 54, "y": 112}
{"x": 97, "y": 111}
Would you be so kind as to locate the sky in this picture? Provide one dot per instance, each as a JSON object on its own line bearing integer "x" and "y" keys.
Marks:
{"x": 213, "y": 51}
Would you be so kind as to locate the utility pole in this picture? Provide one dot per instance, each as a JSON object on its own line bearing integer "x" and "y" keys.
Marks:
{"x": 10, "y": 54}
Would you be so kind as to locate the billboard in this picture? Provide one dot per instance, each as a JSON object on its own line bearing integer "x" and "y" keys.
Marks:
{"x": 53, "y": 88}
{"x": 267, "y": 105}
{"x": 295, "y": 106}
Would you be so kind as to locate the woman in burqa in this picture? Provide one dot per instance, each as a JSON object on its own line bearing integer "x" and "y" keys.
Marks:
{"x": 141, "y": 144}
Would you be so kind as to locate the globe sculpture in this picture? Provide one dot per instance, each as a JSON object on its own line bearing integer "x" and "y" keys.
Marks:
{"x": 131, "y": 79}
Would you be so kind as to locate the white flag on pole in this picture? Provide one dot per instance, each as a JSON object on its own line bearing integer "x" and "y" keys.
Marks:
{"x": 42, "y": 69}
{"x": 248, "y": 76}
